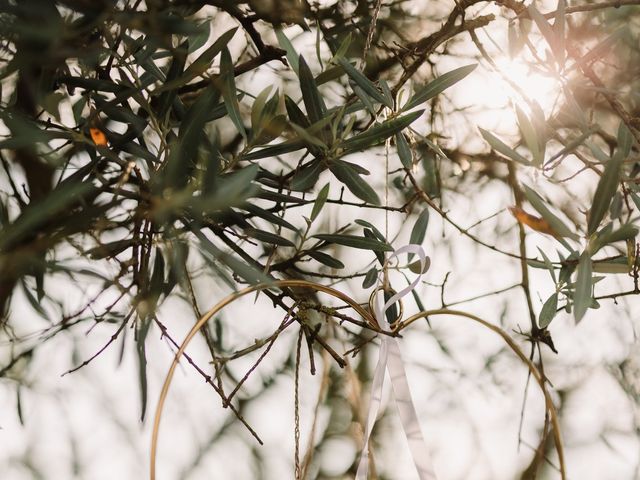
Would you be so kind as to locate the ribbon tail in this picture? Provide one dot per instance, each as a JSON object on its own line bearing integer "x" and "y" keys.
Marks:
{"x": 390, "y": 360}
{"x": 408, "y": 415}
{"x": 374, "y": 407}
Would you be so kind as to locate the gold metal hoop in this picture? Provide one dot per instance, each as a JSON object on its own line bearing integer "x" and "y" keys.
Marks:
{"x": 368, "y": 317}
{"x": 372, "y": 299}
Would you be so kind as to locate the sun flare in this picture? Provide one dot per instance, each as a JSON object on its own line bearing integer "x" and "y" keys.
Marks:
{"x": 514, "y": 81}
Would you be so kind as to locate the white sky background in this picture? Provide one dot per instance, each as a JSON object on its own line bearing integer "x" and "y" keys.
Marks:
{"x": 469, "y": 412}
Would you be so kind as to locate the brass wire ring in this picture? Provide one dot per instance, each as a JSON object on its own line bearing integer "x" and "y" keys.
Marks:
{"x": 372, "y": 299}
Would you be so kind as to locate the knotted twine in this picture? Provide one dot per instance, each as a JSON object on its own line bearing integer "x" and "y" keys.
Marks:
{"x": 390, "y": 359}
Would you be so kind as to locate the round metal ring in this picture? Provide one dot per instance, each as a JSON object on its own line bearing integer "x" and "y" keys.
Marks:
{"x": 372, "y": 299}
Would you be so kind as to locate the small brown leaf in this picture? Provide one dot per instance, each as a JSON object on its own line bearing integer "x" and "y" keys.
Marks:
{"x": 536, "y": 223}
{"x": 98, "y": 137}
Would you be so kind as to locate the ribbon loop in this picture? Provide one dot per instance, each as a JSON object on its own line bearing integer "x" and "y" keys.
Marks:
{"x": 390, "y": 359}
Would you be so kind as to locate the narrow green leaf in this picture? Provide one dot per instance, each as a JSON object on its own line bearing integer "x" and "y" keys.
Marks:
{"x": 548, "y": 311}
{"x": 379, "y": 133}
{"x": 64, "y": 197}
{"x": 235, "y": 187}
{"x": 597, "y": 151}
{"x": 109, "y": 250}
{"x": 354, "y": 241}
{"x": 272, "y": 130}
{"x": 271, "y": 107}
{"x": 94, "y": 84}
{"x": 285, "y": 44}
{"x": 203, "y": 62}
{"x": 617, "y": 266}
{"x": 320, "y": 201}
{"x": 568, "y": 267}
{"x": 369, "y": 226}
{"x": 572, "y": 145}
{"x": 200, "y": 36}
{"x": 354, "y": 182}
{"x": 386, "y": 91}
{"x": 582, "y": 297}
{"x": 307, "y": 137}
{"x": 404, "y": 151}
{"x": 296, "y": 115}
{"x": 370, "y": 278}
{"x": 615, "y": 210}
{"x": 325, "y": 259}
{"x": 420, "y": 228}
{"x": 329, "y": 75}
{"x": 19, "y": 409}
{"x": 392, "y": 312}
{"x": 35, "y": 304}
{"x": 344, "y": 47}
{"x": 538, "y": 203}
{"x": 199, "y": 65}
{"x": 257, "y": 109}
{"x": 625, "y": 140}
{"x": 548, "y": 265}
{"x": 157, "y": 277}
{"x": 636, "y": 199}
{"x": 530, "y": 136}
{"x": 275, "y": 150}
{"x": 141, "y": 334}
{"x": 211, "y": 164}
{"x": 431, "y": 182}
{"x": 501, "y": 147}
{"x": 370, "y": 234}
{"x": 240, "y": 268}
{"x": 178, "y": 255}
{"x": 120, "y": 114}
{"x": 310, "y": 95}
{"x": 625, "y": 232}
{"x": 606, "y": 189}
{"x": 268, "y": 237}
{"x": 438, "y": 85}
{"x": 364, "y": 98}
{"x": 360, "y": 170}
{"x": 547, "y": 32}
{"x": 184, "y": 152}
{"x": 364, "y": 83}
{"x": 25, "y": 133}
{"x": 268, "y": 216}
{"x": 78, "y": 109}
{"x": 307, "y": 176}
{"x": 229, "y": 92}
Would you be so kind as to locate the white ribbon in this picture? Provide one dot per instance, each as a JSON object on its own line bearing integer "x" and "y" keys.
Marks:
{"x": 390, "y": 359}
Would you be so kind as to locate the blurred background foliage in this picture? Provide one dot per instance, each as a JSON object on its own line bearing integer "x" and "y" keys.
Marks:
{"x": 158, "y": 155}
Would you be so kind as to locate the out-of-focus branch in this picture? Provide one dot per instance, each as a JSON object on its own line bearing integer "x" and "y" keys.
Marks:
{"x": 427, "y": 46}
{"x": 582, "y": 8}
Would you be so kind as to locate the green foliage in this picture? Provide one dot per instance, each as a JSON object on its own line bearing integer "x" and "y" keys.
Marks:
{"x": 438, "y": 86}
{"x": 145, "y": 152}
{"x": 354, "y": 241}
{"x": 501, "y": 147}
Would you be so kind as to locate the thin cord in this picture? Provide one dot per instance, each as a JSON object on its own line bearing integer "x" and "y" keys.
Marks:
{"x": 298, "y": 471}
{"x": 387, "y": 143}
{"x": 372, "y": 28}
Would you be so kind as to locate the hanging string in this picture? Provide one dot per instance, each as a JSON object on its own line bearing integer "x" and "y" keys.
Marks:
{"x": 298, "y": 472}
{"x": 372, "y": 29}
